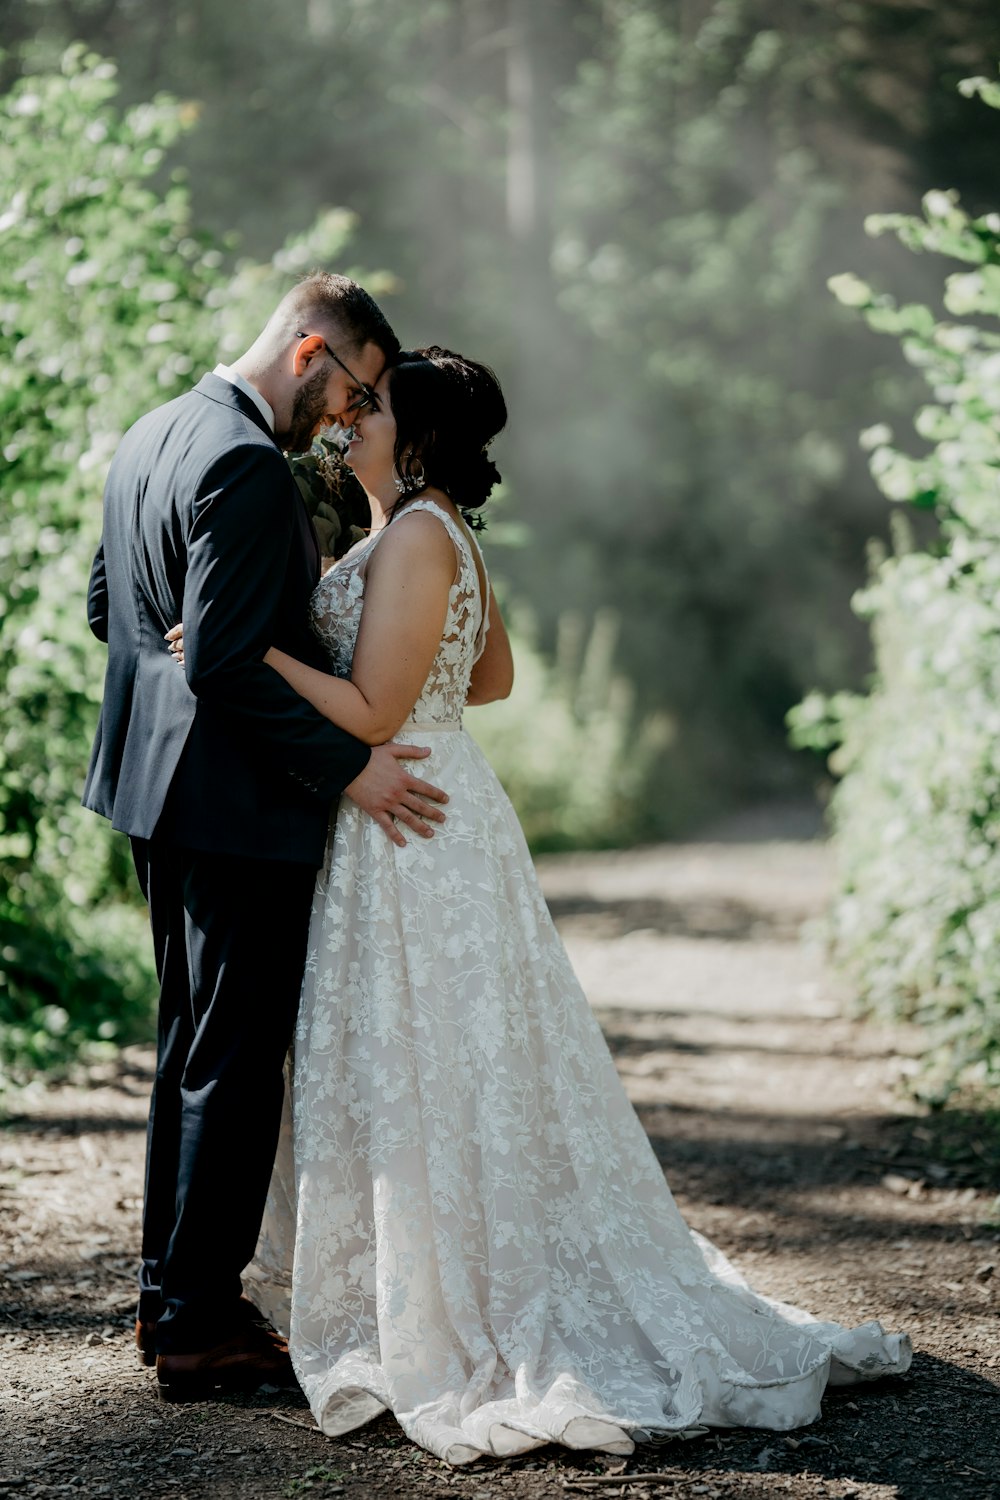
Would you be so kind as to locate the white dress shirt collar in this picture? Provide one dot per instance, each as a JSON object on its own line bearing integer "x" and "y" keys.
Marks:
{"x": 226, "y": 372}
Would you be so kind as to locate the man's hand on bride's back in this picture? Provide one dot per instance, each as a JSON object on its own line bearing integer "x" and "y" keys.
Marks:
{"x": 391, "y": 794}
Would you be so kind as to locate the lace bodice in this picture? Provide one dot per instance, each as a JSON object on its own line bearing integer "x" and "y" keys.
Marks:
{"x": 335, "y": 616}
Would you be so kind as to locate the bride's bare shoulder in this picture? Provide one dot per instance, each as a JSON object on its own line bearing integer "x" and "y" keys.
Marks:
{"x": 417, "y": 535}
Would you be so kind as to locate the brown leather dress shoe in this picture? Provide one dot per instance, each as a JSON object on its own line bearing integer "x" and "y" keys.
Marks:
{"x": 248, "y": 1315}
{"x": 145, "y": 1342}
{"x": 242, "y": 1363}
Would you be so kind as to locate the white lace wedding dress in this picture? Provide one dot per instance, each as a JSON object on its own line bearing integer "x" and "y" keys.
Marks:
{"x": 467, "y": 1224}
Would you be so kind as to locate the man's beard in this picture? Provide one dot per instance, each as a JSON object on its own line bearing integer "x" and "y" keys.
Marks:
{"x": 308, "y": 410}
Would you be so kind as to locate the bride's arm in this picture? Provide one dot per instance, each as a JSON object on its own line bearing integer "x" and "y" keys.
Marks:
{"x": 406, "y": 600}
{"x": 493, "y": 674}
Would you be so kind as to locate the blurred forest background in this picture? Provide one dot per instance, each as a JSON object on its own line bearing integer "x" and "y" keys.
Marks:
{"x": 631, "y": 208}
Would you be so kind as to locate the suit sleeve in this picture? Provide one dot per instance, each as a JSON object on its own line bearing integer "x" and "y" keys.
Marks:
{"x": 237, "y": 552}
{"x": 97, "y": 597}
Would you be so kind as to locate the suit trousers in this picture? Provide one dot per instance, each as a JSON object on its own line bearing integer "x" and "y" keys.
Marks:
{"x": 229, "y": 935}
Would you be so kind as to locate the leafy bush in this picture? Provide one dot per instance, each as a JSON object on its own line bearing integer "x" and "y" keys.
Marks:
{"x": 109, "y": 304}
{"x": 917, "y": 812}
{"x": 566, "y": 743}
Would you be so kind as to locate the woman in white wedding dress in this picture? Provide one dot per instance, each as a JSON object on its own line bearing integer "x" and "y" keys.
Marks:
{"x": 467, "y": 1225}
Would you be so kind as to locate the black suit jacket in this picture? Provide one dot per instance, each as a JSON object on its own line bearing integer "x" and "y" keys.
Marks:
{"x": 204, "y": 523}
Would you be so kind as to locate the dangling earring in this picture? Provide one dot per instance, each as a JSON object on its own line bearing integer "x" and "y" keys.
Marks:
{"x": 408, "y": 484}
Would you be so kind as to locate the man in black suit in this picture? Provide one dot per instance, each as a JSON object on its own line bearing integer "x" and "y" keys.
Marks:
{"x": 224, "y": 778}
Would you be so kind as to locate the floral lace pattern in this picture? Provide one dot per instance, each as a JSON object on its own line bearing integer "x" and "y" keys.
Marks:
{"x": 335, "y": 614}
{"x": 467, "y": 1224}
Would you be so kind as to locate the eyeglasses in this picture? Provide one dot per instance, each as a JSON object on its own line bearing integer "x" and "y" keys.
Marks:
{"x": 367, "y": 397}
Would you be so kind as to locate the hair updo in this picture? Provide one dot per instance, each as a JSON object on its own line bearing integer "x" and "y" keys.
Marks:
{"x": 447, "y": 411}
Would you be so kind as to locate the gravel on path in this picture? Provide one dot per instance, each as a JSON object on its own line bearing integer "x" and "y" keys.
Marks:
{"x": 784, "y": 1130}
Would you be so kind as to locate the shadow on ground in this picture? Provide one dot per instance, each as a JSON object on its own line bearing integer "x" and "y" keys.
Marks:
{"x": 733, "y": 1156}
{"x": 852, "y": 1211}
{"x": 929, "y": 1434}
{"x": 723, "y": 919}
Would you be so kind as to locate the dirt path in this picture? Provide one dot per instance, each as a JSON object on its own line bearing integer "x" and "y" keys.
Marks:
{"x": 784, "y": 1136}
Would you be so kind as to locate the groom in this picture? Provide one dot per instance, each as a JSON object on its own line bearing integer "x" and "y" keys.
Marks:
{"x": 224, "y": 778}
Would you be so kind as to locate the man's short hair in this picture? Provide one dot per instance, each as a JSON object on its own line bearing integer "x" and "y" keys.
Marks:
{"x": 355, "y": 314}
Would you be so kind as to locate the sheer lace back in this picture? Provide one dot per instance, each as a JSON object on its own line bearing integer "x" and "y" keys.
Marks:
{"x": 337, "y": 602}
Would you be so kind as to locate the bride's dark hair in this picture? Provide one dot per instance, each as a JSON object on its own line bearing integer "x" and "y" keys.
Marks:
{"x": 447, "y": 411}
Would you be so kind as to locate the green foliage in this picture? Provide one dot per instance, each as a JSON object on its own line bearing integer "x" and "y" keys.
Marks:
{"x": 109, "y": 304}
{"x": 917, "y": 812}
{"x": 102, "y": 291}
{"x": 721, "y": 496}
{"x": 568, "y": 745}
{"x": 631, "y": 210}
{"x": 73, "y": 983}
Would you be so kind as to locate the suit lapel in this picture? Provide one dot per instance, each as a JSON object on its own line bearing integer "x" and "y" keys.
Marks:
{"x": 227, "y": 394}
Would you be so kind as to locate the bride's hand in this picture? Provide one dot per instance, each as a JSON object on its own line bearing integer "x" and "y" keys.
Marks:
{"x": 176, "y": 639}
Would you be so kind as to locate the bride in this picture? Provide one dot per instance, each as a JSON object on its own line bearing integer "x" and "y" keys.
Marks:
{"x": 467, "y": 1224}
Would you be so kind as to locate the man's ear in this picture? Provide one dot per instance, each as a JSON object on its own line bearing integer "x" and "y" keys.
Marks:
{"x": 305, "y": 353}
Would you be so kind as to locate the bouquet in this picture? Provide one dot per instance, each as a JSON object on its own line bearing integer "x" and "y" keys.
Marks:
{"x": 333, "y": 497}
